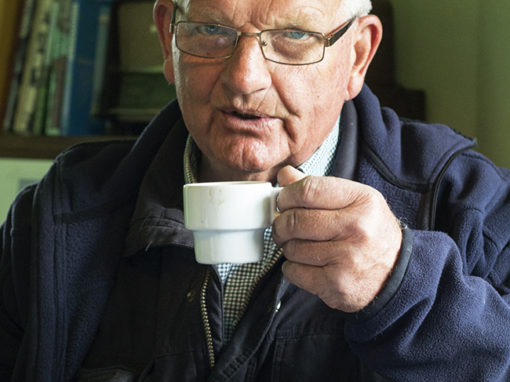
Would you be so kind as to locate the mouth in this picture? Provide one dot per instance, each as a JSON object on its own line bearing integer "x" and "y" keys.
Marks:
{"x": 248, "y": 121}
{"x": 246, "y": 115}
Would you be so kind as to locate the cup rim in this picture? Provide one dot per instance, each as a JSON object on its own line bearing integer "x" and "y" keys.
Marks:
{"x": 228, "y": 183}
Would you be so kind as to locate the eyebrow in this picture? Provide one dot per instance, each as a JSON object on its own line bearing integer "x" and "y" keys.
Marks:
{"x": 213, "y": 15}
{"x": 208, "y": 15}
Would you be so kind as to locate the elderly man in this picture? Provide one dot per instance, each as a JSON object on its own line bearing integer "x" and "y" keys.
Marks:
{"x": 389, "y": 260}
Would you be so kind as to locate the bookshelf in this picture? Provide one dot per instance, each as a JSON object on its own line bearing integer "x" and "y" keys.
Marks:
{"x": 85, "y": 70}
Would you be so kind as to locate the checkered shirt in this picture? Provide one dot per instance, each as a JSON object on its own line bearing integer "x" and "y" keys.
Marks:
{"x": 239, "y": 280}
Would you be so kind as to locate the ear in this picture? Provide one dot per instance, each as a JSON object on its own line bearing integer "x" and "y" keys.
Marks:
{"x": 162, "y": 15}
{"x": 368, "y": 37}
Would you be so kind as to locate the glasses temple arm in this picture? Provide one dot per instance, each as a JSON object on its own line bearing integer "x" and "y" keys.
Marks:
{"x": 172, "y": 22}
{"x": 336, "y": 35}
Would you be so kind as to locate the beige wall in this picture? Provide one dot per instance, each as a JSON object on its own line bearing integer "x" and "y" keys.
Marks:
{"x": 16, "y": 174}
{"x": 494, "y": 80}
{"x": 458, "y": 52}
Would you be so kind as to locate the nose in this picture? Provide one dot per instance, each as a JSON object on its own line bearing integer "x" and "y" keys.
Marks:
{"x": 247, "y": 71}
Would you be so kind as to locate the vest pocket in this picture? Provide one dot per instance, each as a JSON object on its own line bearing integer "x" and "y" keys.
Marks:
{"x": 318, "y": 357}
{"x": 106, "y": 374}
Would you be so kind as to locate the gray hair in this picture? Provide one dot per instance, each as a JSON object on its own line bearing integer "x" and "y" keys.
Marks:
{"x": 353, "y": 8}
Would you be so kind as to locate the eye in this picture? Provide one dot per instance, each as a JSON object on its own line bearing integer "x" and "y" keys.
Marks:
{"x": 297, "y": 35}
{"x": 211, "y": 30}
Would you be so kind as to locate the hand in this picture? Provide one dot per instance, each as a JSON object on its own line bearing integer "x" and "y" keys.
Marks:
{"x": 339, "y": 237}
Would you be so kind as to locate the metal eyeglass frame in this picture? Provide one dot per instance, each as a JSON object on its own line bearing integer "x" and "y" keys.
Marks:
{"x": 328, "y": 39}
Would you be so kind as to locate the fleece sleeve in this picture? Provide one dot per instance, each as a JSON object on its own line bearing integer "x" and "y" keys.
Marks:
{"x": 449, "y": 319}
{"x": 14, "y": 271}
{"x": 441, "y": 325}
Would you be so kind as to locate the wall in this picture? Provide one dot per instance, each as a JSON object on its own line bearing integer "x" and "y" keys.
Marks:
{"x": 16, "y": 174}
{"x": 494, "y": 80}
{"x": 457, "y": 51}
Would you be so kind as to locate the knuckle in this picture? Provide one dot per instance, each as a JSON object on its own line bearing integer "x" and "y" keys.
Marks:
{"x": 284, "y": 226}
{"x": 292, "y": 220}
{"x": 372, "y": 198}
{"x": 376, "y": 218}
{"x": 360, "y": 230}
{"x": 311, "y": 189}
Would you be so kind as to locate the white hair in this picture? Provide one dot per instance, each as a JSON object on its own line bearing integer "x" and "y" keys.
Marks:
{"x": 353, "y": 8}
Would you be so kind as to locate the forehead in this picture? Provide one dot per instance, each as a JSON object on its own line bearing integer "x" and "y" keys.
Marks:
{"x": 266, "y": 12}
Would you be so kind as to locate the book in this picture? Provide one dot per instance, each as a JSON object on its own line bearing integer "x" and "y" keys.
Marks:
{"x": 56, "y": 63}
{"x": 10, "y": 14}
{"x": 19, "y": 60}
{"x": 32, "y": 71}
{"x": 89, "y": 21}
{"x": 58, "y": 69}
{"x": 43, "y": 87}
{"x": 101, "y": 59}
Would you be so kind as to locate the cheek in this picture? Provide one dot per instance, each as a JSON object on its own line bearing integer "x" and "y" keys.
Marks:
{"x": 194, "y": 80}
{"x": 315, "y": 95}
{"x": 195, "y": 86}
{"x": 309, "y": 91}
{"x": 329, "y": 92}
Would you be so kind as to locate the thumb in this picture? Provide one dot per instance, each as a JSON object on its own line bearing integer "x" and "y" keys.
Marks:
{"x": 288, "y": 175}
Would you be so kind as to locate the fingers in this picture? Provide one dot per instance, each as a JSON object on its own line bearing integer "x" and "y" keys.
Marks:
{"x": 316, "y": 225}
{"x": 306, "y": 277}
{"x": 322, "y": 253}
{"x": 323, "y": 238}
{"x": 319, "y": 192}
{"x": 340, "y": 238}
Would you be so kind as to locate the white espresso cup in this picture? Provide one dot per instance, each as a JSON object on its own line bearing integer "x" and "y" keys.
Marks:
{"x": 228, "y": 219}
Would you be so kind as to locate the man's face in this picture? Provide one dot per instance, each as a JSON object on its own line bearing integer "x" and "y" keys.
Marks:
{"x": 250, "y": 116}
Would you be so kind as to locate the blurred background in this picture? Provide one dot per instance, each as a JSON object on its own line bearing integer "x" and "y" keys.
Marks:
{"x": 458, "y": 52}
{"x": 440, "y": 61}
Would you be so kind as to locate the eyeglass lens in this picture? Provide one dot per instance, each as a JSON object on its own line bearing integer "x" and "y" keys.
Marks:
{"x": 215, "y": 41}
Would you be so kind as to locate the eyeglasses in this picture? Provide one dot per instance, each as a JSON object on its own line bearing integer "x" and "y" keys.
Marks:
{"x": 284, "y": 46}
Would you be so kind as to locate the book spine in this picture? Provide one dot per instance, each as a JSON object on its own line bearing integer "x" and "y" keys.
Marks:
{"x": 100, "y": 64}
{"x": 56, "y": 81}
{"x": 77, "y": 118}
{"x": 43, "y": 92}
{"x": 32, "y": 72}
{"x": 17, "y": 75}
{"x": 10, "y": 21}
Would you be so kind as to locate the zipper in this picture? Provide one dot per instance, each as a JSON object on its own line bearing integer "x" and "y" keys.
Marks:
{"x": 205, "y": 319}
{"x": 437, "y": 186}
{"x": 203, "y": 306}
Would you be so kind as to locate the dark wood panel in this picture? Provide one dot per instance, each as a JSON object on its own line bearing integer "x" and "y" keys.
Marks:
{"x": 41, "y": 147}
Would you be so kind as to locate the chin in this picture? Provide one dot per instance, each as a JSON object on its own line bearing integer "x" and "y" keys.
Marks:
{"x": 248, "y": 155}
{"x": 246, "y": 168}
{"x": 243, "y": 159}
